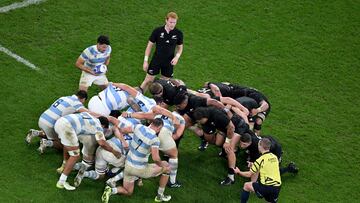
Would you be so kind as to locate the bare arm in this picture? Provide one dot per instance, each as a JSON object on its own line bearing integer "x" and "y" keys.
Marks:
{"x": 107, "y": 61}
{"x": 246, "y": 174}
{"x": 155, "y": 156}
{"x": 215, "y": 89}
{"x": 213, "y": 102}
{"x": 100, "y": 138}
{"x": 120, "y": 136}
{"x": 80, "y": 65}
{"x": 233, "y": 102}
{"x": 139, "y": 115}
{"x": 178, "y": 54}
{"x": 147, "y": 55}
{"x": 263, "y": 107}
{"x": 240, "y": 113}
{"x": 132, "y": 91}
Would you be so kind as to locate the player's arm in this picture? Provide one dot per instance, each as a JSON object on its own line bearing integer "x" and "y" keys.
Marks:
{"x": 263, "y": 107}
{"x": 107, "y": 61}
{"x": 120, "y": 136}
{"x": 80, "y": 65}
{"x": 178, "y": 54}
{"x": 246, "y": 174}
{"x": 240, "y": 113}
{"x": 126, "y": 130}
{"x": 215, "y": 103}
{"x": 179, "y": 131}
{"x": 147, "y": 55}
{"x": 155, "y": 155}
{"x": 215, "y": 90}
{"x": 233, "y": 102}
{"x": 100, "y": 138}
{"x": 132, "y": 91}
{"x": 139, "y": 115}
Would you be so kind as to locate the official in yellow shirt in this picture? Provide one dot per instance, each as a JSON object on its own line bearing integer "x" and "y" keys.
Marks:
{"x": 268, "y": 167}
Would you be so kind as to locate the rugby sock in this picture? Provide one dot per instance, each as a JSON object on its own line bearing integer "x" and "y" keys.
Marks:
{"x": 77, "y": 166}
{"x": 63, "y": 178}
{"x": 35, "y": 133}
{"x": 49, "y": 143}
{"x": 118, "y": 176}
{"x": 173, "y": 166}
{"x": 244, "y": 196}
{"x": 231, "y": 173}
{"x": 114, "y": 190}
{"x": 161, "y": 190}
{"x": 91, "y": 174}
{"x": 87, "y": 163}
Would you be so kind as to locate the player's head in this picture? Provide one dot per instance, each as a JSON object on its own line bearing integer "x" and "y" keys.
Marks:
{"x": 181, "y": 101}
{"x": 171, "y": 20}
{"x": 201, "y": 115}
{"x": 102, "y": 43}
{"x": 245, "y": 140}
{"x": 82, "y": 95}
{"x": 264, "y": 145}
{"x": 115, "y": 113}
{"x": 104, "y": 122}
{"x": 157, "y": 124}
{"x": 156, "y": 89}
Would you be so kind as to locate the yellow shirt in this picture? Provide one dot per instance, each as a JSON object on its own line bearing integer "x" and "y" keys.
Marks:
{"x": 268, "y": 166}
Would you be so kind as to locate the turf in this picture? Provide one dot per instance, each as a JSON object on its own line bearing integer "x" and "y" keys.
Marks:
{"x": 304, "y": 55}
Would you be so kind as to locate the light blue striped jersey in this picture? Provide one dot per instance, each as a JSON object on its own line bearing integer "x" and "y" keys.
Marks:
{"x": 84, "y": 123}
{"x": 93, "y": 57}
{"x": 140, "y": 147}
{"x": 114, "y": 98}
{"x": 119, "y": 144}
{"x": 168, "y": 122}
{"x": 145, "y": 103}
{"x": 61, "y": 107}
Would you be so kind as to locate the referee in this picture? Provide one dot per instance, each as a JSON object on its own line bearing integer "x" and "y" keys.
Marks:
{"x": 268, "y": 166}
{"x": 166, "y": 38}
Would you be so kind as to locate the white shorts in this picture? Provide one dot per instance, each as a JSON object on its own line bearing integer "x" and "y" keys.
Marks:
{"x": 166, "y": 140}
{"x": 89, "y": 144}
{"x": 104, "y": 158}
{"x": 67, "y": 134}
{"x": 49, "y": 131}
{"x": 131, "y": 173}
{"x": 86, "y": 79}
{"x": 96, "y": 105}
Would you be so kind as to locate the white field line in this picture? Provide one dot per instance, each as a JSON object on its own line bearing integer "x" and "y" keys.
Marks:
{"x": 18, "y": 58}
{"x": 19, "y": 5}
{"x": 7, "y": 51}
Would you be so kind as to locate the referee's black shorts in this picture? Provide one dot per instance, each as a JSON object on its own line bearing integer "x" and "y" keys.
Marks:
{"x": 269, "y": 193}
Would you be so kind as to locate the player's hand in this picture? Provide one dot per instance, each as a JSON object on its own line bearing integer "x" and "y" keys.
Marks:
{"x": 174, "y": 61}
{"x": 249, "y": 164}
{"x": 125, "y": 145}
{"x": 227, "y": 147}
{"x": 236, "y": 170}
{"x": 254, "y": 112}
{"x": 145, "y": 66}
{"x": 117, "y": 154}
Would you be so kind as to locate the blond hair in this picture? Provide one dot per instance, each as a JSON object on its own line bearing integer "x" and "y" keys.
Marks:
{"x": 172, "y": 15}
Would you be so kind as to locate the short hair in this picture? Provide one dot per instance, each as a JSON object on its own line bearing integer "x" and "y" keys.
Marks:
{"x": 102, "y": 39}
{"x": 201, "y": 112}
{"x": 246, "y": 137}
{"x": 81, "y": 94}
{"x": 265, "y": 143}
{"x": 172, "y": 15}
{"x": 115, "y": 113}
{"x": 104, "y": 121}
{"x": 155, "y": 88}
{"x": 180, "y": 98}
{"x": 157, "y": 122}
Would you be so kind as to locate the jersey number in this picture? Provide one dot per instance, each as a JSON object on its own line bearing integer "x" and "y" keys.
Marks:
{"x": 139, "y": 143}
{"x": 57, "y": 103}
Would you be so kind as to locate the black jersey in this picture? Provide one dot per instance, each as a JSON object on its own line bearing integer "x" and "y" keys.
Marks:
{"x": 248, "y": 102}
{"x": 241, "y": 91}
{"x": 165, "y": 42}
{"x": 253, "y": 149}
{"x": 170, "y": 90}
{"x": 218, "y": 119}
{"x": 193, "y": 103}
{"x": 224, "y": 88}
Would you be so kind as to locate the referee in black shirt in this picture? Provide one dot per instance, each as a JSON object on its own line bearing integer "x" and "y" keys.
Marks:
{"x": 166, "y": 38}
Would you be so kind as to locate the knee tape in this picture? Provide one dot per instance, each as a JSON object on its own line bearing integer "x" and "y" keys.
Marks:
{"x": 74, "y": 152}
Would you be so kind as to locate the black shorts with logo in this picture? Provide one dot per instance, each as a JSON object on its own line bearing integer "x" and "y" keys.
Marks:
{"x": 269, "y": 193}
{"x": 157, "y": 65}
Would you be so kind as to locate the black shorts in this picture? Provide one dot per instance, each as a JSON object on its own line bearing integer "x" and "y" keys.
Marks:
{"x": 165, "y": 66}
{"x": 269, "y": 193}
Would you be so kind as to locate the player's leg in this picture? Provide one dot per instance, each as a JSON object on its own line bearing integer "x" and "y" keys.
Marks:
{"x": 248, "y": 187}
{"x": 86, "y": 80}
{"x": 230, "y": 179}
{"x": 101, "y": 81}
{"x": 153, "y": 70}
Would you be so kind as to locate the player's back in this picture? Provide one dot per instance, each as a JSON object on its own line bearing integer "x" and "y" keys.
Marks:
{"x": 61, "y": 107}
{"x": 114, "y": 98}
{"x": 140, "y": 147}
{"x": 84, "y": 123}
